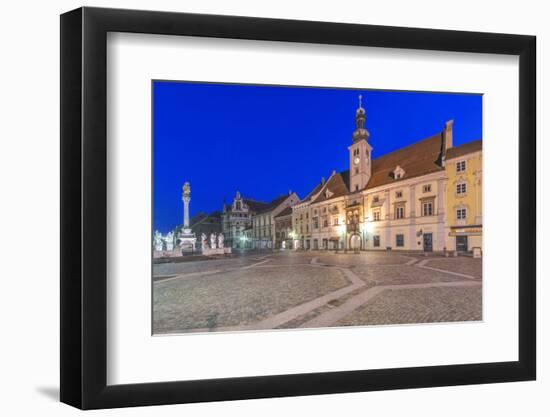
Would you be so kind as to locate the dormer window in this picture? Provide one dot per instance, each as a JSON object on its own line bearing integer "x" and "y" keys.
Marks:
{"x": 427, "y": 188}
{"x": 328, "y": 194}
{"x": 398, "y": 173}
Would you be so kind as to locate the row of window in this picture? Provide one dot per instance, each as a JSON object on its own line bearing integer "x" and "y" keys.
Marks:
{"x": 427, "y": 208}
{"x": 234, "y": 214}
{"x": 260, "y": 233}
{"x": 262, "y": 221}
{"x": 399, "y": 241}
{"x": 427, "y": 188}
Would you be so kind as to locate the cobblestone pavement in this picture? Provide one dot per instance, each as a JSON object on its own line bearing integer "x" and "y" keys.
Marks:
{"x": 237, "y": 298}
{"x": 362, "y": 258}
{"x": 426, "y": 305}
{"x": 313, "y": 289}
{"x": 461, "y": 264}
{"x": 171, "y": 269}
{"x": 402, "y": 274}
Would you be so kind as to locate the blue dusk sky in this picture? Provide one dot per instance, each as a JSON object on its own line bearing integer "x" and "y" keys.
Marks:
{"x": 267, "y": 140}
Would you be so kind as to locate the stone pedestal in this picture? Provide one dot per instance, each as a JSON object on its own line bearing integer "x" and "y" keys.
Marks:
{"x": 216, "y": 251}
{"x": 187, "y": 241}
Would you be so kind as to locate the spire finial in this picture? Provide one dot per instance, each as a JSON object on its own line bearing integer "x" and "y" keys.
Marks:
{"x": 360, "y": 110}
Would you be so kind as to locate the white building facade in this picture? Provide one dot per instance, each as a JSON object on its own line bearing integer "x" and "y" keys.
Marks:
{"x": 394, "y": 202}
{"x": 263, "y": 222}
{"x": 236, "y": 218}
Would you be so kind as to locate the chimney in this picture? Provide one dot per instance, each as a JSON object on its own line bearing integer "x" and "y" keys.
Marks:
{"x": 446, "y": 140}
{"x": 448, "y": 134}
{"x": 323, "y": 180}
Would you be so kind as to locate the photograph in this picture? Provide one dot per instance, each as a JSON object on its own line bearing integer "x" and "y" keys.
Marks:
{"x": 266, "y": 209}
{"x": 279, "y": 207}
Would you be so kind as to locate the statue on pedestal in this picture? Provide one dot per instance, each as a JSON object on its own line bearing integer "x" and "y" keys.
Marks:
{"x": 213, "y": 241}
{"x": 220, "y": 241}
{"x": 204, "y": 242}
{"x": 170, "y": 241}
{"x": 158, "y": 241}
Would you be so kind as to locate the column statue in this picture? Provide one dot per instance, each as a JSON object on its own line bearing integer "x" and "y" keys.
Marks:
{"x": 186, "y": 198}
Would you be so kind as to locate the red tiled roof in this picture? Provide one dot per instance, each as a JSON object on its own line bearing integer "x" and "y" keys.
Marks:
{"x": 464, "y": 149}
{"x": 273, "y": 204}
{"x": 313, "y": 192}
{"x": 336, "y": 185}
{"x": 254, "y": 205}
{"x": 286, "y": 212}
{"x": 420, "y": 158}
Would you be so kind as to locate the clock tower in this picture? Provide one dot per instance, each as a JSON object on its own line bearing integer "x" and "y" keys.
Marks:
{"x": 359, "y": 153}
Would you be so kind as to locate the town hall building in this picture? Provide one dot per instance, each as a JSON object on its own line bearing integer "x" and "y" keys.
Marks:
{"x": 398, "y": 201}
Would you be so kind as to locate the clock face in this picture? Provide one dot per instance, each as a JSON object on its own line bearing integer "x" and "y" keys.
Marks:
{"x": 356, "y": 160}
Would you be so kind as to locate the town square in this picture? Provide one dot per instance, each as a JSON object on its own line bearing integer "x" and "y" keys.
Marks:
{"x": 297, "y": 289}
{"x": 389, "y": 238}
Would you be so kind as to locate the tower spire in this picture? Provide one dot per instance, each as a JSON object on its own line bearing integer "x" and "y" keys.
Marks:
{"x": 360, "y": 118}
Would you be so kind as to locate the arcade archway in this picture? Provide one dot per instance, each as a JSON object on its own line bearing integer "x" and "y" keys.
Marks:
{"x": 355, "y": 242}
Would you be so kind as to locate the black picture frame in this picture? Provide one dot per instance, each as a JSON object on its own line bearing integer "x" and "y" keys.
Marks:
{"x": 84, "y": 207}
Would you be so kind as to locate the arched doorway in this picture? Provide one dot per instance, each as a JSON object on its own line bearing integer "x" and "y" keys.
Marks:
{"x": 355, "y": 242}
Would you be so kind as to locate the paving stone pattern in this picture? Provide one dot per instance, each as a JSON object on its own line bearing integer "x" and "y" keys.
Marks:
{"x": 300, "y": 289}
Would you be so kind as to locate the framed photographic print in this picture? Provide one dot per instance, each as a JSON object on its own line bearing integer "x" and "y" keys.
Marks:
{"x": 257, "y": 208}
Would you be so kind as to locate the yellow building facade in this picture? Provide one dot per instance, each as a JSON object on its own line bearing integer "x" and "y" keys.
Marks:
{"x": 464, "y": 197}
